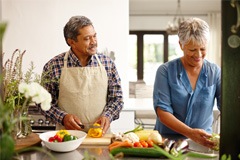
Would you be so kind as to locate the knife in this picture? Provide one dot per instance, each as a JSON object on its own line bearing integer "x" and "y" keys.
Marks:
{"x": 83, "y": 126}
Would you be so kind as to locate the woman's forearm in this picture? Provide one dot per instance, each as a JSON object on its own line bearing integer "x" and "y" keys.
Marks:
{"x": 173, "y": 123}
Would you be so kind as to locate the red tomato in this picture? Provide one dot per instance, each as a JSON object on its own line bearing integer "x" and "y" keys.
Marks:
{"x": 137, "y": 144}
{"x": 58, "y": 138}
{"x": 150, "y": 143}
{"x": 51, "y": 139}
{"x": 144, "y": 143}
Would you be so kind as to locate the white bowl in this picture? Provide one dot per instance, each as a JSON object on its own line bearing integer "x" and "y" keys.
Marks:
{"x": 63, "y": 146}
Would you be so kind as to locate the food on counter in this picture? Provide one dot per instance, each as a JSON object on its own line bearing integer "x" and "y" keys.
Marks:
{"x": 139, "y": 137}
{"x": 149, "y": 143}
{"x": 168, "y": 144}
{"x": 118, "y": 144}
{"x": 138, "y": 128}
{"x": 137, "y": 144}
{"x": 118, "y": 136}
{"x": 143, "y": 144}
{"x": 144, "y": 134}
{"x": 62, "y": 136}
{"x": 179, "y": 147}
{"x": 137, "y": 152}
{"x": 136, "y": 138}
{"x": 215, "y": 138}
{"x": 131, "y": 137}
{"x": 156, "y": 138}
{"x": 177, "y": 151}
{"x": 95, "y": 132}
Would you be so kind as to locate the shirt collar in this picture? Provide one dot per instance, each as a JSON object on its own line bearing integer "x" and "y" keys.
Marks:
{"x": 182, "y": 75}
{"x": 202, "y": 72}
{"x": 74, "y": 59}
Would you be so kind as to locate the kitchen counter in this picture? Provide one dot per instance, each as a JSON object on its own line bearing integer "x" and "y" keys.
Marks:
{"x": 99, "y": 152}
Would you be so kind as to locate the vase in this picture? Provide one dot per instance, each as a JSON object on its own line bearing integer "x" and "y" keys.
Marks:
{"x": 24, "y": 124}
{"x": 22, "y": 127}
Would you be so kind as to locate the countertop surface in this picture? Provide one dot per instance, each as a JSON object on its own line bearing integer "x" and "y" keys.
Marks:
{"x": 99, "y": 152}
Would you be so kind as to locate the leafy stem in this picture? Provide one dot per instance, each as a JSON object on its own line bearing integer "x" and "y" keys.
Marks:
{"x": 138, "y": 128}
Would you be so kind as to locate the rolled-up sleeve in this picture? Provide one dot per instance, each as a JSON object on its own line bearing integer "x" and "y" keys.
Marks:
{"x": 161, "y": 92}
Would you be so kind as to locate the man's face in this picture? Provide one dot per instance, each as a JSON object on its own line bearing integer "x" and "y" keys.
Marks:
{"x": 86, "y": 43}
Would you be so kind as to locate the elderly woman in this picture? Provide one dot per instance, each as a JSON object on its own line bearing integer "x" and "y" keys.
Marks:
{"x": 185, "y": 88}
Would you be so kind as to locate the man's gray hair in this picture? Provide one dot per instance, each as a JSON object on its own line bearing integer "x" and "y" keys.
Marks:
{"x": 195, "y": 30}
{"x": 71, "y": 29}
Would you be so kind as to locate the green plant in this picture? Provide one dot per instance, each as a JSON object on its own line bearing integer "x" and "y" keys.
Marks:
{"x": 3, "y": 27}
{"x": 13, "y": 76}
{"x": 19, "y": 90}
{"x": 14, "y": 101}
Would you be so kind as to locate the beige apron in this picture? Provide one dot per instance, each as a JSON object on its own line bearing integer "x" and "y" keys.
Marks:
{"x": 83, "y": 91}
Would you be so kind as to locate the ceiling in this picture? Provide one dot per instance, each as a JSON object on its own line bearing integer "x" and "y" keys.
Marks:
{"x": 169, "y": 7}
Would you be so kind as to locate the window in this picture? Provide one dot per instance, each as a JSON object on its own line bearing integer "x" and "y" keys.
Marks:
{"x": 174, "y": 49}
{"x": 147, "y": 51}
{"x": 153, "y": 55}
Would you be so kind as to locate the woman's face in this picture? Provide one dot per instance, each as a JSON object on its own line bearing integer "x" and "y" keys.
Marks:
{"x": 194, "y": 54}
{"x": 86, "y": 43}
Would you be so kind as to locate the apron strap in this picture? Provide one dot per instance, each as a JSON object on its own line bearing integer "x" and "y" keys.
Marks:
{"x": 65, "y": 59}
{"x": 100, "y": 64}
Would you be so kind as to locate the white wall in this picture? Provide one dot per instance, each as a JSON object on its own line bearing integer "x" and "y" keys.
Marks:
{"x": 37, "y": 27}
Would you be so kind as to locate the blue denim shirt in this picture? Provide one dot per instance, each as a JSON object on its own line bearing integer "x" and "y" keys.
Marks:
{"x": 173, "y": 93}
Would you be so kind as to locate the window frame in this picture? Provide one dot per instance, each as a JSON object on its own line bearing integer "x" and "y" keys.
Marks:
{"x": 140, "y": 50}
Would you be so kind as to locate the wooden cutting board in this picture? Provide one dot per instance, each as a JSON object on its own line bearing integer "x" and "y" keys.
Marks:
{"x": 31, "y": 140}
{"x": 102, "y": 141}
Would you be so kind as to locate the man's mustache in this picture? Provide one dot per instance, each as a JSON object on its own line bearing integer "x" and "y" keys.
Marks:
{"x": 93, "y": 45}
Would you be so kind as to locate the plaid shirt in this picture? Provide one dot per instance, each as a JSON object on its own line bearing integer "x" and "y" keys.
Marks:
{"x": 52, "y": 73}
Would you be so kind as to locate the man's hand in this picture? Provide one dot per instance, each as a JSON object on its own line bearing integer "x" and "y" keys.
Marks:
{"x": 71, "y": 122}
{"x": 104, "y": 122}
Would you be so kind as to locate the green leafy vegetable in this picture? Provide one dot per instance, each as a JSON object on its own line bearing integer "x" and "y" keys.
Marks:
{"x": 216, "y": 139}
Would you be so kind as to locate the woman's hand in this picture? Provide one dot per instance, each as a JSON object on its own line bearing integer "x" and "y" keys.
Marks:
{"x": 197, "y": 135}
{"x": 201, "y": 137}
{"x": 104, "y": 122}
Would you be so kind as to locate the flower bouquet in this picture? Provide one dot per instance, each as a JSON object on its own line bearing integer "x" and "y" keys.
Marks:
{"x": 19, "y": 91}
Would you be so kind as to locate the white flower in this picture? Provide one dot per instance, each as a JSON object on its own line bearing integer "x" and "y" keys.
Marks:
{"x": 45, "y": 105}
{"x": 23, "y": 88}
{"x": 37, "y": 93}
